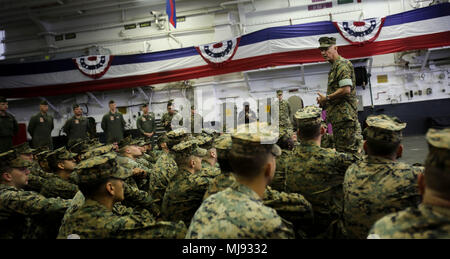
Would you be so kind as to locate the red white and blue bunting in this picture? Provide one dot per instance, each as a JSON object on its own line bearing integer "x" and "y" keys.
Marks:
{"x": 277, "y": 46}
{"x": 220, "y": 52}
{"x": 360, "y": 32}
{"x": 93, "y": 66}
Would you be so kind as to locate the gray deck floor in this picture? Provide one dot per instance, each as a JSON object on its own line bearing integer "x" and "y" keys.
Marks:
{"x": 415, "y": 149}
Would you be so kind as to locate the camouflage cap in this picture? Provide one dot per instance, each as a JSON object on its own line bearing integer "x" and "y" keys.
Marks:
{"x": 24, "y": 148}
{"x": 43, "y": 102}
{"x": 188, "y": 148}
{"x": 247, "y": 142}
{"x": 61, "y": 154}
{"x": 384, "y": 128}
{"x": 11, "y": 159}
{"x": 439, "y": 148}
{"x": 99, "y": 168}
{"x": 128, "y": 141}
{"x": 308, "y": 115}
{"x": 43, "y": 155}
{"x": 205, "y": 141}
{"x": 41, "y": 149}
{"x": 80, "y": 147}
{"x": 162, "y": 139}
{"x": 279, "y": 92}
{"x": 97, "y": 151}
{"x": 175, "y": 136}
{"x": 326, "y": 42}
{"x": 223, "y": 142}
{"x": 3, "y": 99}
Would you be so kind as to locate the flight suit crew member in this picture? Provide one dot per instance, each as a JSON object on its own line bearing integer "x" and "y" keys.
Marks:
{"x": 379, "y": 184}
{"x": 113, "y": 124}
{"x": 40, "y": 127}
{"x": 77, "y": 127}
{"x": 431, "y": 219}
{"x": 18, "y": 206}
{"x": 9, "y": 126}
{"x": 146, "y": 124}
{"x": 340, "y": 101}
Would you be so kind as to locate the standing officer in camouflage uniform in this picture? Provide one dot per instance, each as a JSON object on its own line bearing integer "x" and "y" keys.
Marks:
{"x": 9, "y": 126}
{"x": 185, "y": 191}
{"x": 146, "y": 124}
{"x": 378, "y": 184}
{"x": 40, "y": 127}
{"x": 317, "y": 173}
{"x": 432, "y": 217}
{"x": 18, "y": 206}
{"x": 340, "y": 101}
{"x": 166, "y": 119}
{"x": 101, "y": 180}
{"x": 284, "y": 115}
{"x": 113, "y": 124}
{"x": 77, "y": 127}
{"x": 196, "y": 121}
{"x": 238, "y": 211}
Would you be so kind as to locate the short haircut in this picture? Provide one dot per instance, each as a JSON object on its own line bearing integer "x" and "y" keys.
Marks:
{"x": 285, "y": 142}
{"x": 75, "y": 106}
{"x": 308, "y": 131}
{"x": 438, "y": 180}
{"x": 92, "y": 188}
{"x": 249, "y": 165}
{"x": 53, "y": 164}
{"x": 437, "y": 177}
{"x": 379, "y": 148}
{"x": 110, "y": 102}
{"x": 183, "y": 161}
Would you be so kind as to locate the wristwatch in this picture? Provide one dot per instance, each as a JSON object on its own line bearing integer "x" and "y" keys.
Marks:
{"x": 327, "y": 98}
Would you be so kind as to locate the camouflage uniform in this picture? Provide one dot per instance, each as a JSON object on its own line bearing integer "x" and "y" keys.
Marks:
{"x": 342, "y": 113}
{"x": 185, "y": 192}
{"x": 278, "y": 182}
{"x": 93, "y": 220}
{"x": 426, "y": 221}
{"x": 57, "y": 187}
{"x": 113, "y": 126}
{"x": 377, "y": 186}
{"x": 284, "y": 115}
{"x": 318, "y": 174}
{"x": 196, "y": 123}
{"x": 37, "y": 177}
{"x": 166, "y": 120}
{"x": 165, "y": 167}
{"x": 238, "y": 211}
{"x": 18, "y": 207}
{"x": 40, "y": 128}
{"x": 222, "y": 216}
{"x": 8, "y": 129}
{"x": 205, "y": 140}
